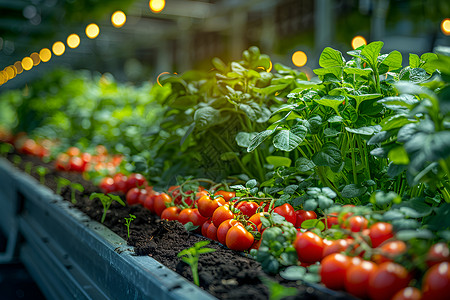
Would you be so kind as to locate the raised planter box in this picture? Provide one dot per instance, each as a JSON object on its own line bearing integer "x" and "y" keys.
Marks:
{"x": 71, "y": 256}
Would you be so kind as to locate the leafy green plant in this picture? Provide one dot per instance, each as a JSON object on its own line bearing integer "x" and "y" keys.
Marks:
{"x": 42, "y": 171}
{"x": 5, "y": 148}
{"x": 28, "y": 166}
{"x": 17, "y": 160}
{"x": 60, "y": 183}
{"x": 191, "y": 256}
{"x": 73, "y": 188}
{"x": 128, "y": 223}
{"x": 106, "y": 200}
{"x": 278, "y": 291}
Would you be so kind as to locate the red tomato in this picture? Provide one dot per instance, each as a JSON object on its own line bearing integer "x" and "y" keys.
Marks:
{"x": 303, "y": 215}
{"x": 136, "y": 180}
{"x": 221, "y": 214}
{"x": 437, "y": 253}
{"x": 248, "y": 208}
{"x": 356, "y": 223}
{"x": 238, "y": 238}
{"x": 331, "y": 220}
{"x": 409, "y": 293}
{"x": 205, "y": 227}
{"x": 287, "y": 211}
{"x": 334, "y": 246}
{"x": 357, "y": 278}
{"x": 142, "y": 196}
{"x": 333, "y": 269}
{"x": 211, "y": 232}
{"x": 256, "y": 219}
{"x": 389, "y": 251}
{"x": 387, "y": 280}
{"x": 206, "y": 205}
{"x": 107, "y": 185}
{"x": 226, "y": 195}
{"x": 159, "y": 203}
{"x": 73, "y": 151}
{"x": 223, "y": 228}
{"x": 436, "y": 282}
{"x": 150, "y": 201}
{"x": 309, "y": 247}
{"x": 76, "y": 164}
{"x": 191, "y": 215}
{"x": 133, "y": 196}
{"x": 62, "y": 162}
{"x": 171, "y": 213}
{"x": 380, "y": 232}
{"x": 121, "y": 182}
{"x": 200, "y": 194}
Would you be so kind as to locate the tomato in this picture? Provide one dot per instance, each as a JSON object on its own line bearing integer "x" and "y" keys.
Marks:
{"x": 309, "y": 247}
{"x": 223, "y": 228}
{"x": 333, "y": 269}
{"x": 101, "y": 150}
{"x": 211, "y": 232}
{"x": 142, "y": 196}
{"x": 436, "y": 282}
{"x": 159, "y": 203}
{"x": 121, "y": 182}
{"x": 303, "y": 215}
{"x": 107, "y": 185}
{"x": 206, "y": 205}
{"x": 76, "y": 164}
{"x": 437, "y": 253}
{"x": 226, "y": 195}
{"x": 136, "y": 180}
{"x": 86, "y": 157}
{"x": 356, "y": 223}
{"x": 238, "y": 238}
{"x": 265, "y": 206}
{"x": 389, "y": 251}
{"x": 287, "y": 211}
{"x": 380, "y": 232}
{"x": 170, "y": 213}
{"x": 62, "y": 162}
{"x": 334, "y": 246}
{"x": 256, "y": 218}
{"x": 409, "y": 293}
{"x": 150, "y": 201}
{"x": 248, "y": 208}
{"x": 191, "y": 215}
{"x": 387, "y": 280}
{"x": 357, "y": 278}
{"x": 133, "y": 196}
{"x": 73, "y": 151}
{"x": 221, "y": 214}
{"x": 205, "y": 227}
{"x": 200, "y": 194}
{"x": 331, "y": 220}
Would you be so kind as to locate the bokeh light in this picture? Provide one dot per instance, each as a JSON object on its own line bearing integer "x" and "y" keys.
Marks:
{"x": 36, "y": 59}
{"x": 73, "y": 40}
{"x": 118, "y": 19}
{"x": 58, "y": 48}
{"x": 358, "y": 41}
{"x": 27, "y": 63}
{"x": 445, "y": 26}
{"x": 299, "y": 58}
{"x": 18, "y": 66}
{"x": 92, "y": 31}
{"x": 45, "y": 54}
{"x": 157, "y": 5}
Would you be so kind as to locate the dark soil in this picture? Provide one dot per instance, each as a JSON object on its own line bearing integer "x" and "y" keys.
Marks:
{"x": 226, "y": 274}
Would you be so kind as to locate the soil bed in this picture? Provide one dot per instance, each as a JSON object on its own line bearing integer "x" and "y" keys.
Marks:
{"x": 225, "y": 274}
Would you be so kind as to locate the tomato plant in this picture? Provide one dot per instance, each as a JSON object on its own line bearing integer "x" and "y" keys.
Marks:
{"x": 309, "y": 247}
{"x": 238, "y": 238}
{"x": 287, "y": 211}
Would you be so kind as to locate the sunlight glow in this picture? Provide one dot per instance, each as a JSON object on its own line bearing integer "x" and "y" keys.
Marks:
{"x": 299, "y": 58}
{"x": 358, "y": 41}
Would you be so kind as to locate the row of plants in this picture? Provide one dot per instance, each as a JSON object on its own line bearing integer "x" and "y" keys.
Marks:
{"x": 342, "y": 179}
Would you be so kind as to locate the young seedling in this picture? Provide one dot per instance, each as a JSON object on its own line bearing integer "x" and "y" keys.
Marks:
{"x": 191, "y": 256}
{"x": 75, "y": 187}
{"x": 42, "y": 171}
{"x": 278, "y": 291}
{"x": 17, "y": 160}
{"x": 106, "y": 200}
{"x": 128, "y": 223}
{"x": 28, "y": 167}
{"x": 61, "y": 182}
{"x": 5, "y": 149}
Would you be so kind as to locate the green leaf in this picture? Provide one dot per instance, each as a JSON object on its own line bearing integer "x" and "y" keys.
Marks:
{"x": 336, "y": 71}
{"x": 330, "y": 132}
{"x": 288, "y": 140}
{"x": 293, "y": 273}
{"x": 366, "y": 130}
{"x": 398, "y": 156}
{"x": 414, "y": 61}
{"x": 407, "y": 101}
{"x": 408, "y": 235}
{"x": 189, "y": 226}
{"x": 77, "y": 187}
{"x": 251, "y": 183}
{"x": 353, "y": 191}
{"x": 381, "y": 198}
{"x": 330, "y": 156}
{"x": 117, "y": 199}
{"x": 361, "y": 98}
{"x": 243, "y": 139}
{"x": 184, "y": 102}
{"x": 271, "y": 89}
{"x": 219, "y": 65}
{"x": 331, "y": 58}
{"x": 335, "y": 119}
{"x": 98, "y": 195}
{"x": 371, "y": 53}
{"x": 259, "y": 138}
{"x": 331, "y": 101}
{"x": 357, "y": 71}
{"x": 313, "y": 223}
{"x": 279, "y": 161}
{"x": 206, "y": 116}
{"x": 402, "y": 224}
{"x": 303, "y": 164}
{"x": 310, "y": 204}
{"x": 393, "y": 60}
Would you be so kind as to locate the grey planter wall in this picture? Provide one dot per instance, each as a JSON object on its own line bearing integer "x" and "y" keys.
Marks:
{"x": 71, "y": 256}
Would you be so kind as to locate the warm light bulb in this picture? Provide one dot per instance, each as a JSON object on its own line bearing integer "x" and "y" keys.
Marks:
{"x": 18, "y": 66}
{"x": 299, "y": 58}
{"x": 118, "y": 19}
{"x": 92, "y": 31}
{"x": 445, "y": 26}
{"x": 27, "y": 63}
{"x": 45, "y": 54}
{"x": 58, "y": 48}
{"x": 358, "y": 41}
{"x": 73, "y": 40}
{"x": 36, "y": 59}
{"x": 157, "y": 5}
{"x": 10, "y": 72}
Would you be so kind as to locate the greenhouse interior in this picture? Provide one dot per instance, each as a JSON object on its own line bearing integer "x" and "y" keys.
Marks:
{"x": 225, "y": 149}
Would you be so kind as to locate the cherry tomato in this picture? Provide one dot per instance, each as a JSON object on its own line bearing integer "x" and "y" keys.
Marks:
{"x": 409, "y": 293}
{"x": 107, "y": 185}
{"x": 136, "y": 180}
{"x": 73, "y": 151}
{"x": 191, "y": 215}
{"x": 303, "y": 215}
{"x": 437, "y": 253}
{"x": 200, "y": 194}
{"x": 159, "y": 203}
{"x": 333, "y": 269}
{"x": 205, "y": 227}
{"x": 248, "y": 208}
{"x": 150, "y": 201}
{"x": 223, "y": 228}
{"x": 436, "y": 282}
{"x": 389, "y": 251}
{"x": 238, "y": 238}
{"x": 221, "y": 214}
{"x": 133, "y": 196}
{"x": 211, "y": 232}
{"x": 380, "y": 232}
{"x": 287, "y": 211}
{"x": 357, "y": 278}
{"x": 309, "y": 247}
{"x": 62, "y": 162}
{"x": 142, "y": 196}
{"x": 226, "y": 195}
{"x": 387, "y": 280}
{"x": 356, "y": 223}
{"x": 121, "y": 182}
{"x": 206, "y": 205}
{"x": 256, "y": 218}
{"x": 334, "y": 246}
{"x": 170, "y": 213}
{"x": 331, "y": 220}
{"x": 76, "y": 164}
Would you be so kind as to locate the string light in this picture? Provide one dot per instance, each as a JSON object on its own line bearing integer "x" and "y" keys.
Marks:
{"x": 58, "y": 48}
{"x": 299, "y": 58}
{"x": 118, "y": 19}
{"x": 157, "y": 6}
{"x": 358, "y": 41}
{"x": 73, "y": 40}
{"x": 92, "y": 31}
{"x": 445, "y": 26}
{"x": 27, "y": 63}
{"x": 36, "y": 59}
{"x": 45, "y": 54}
{"x": 18, "y": 66}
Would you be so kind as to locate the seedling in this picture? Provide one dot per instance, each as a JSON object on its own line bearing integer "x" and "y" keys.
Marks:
{"x": 75, "y": 187}
{"x": 5, "y": 149}
{"x": 191, "y": 256}
{"x": 28, "y": 167}
{"x": 42, "y": 171}
{"x": 17, "y": 160}
{"x": 106, "y": 200}
{"x": 128, "y": 223}
{"x": 277, "y": 291}
{"x": 61, "y": 182}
